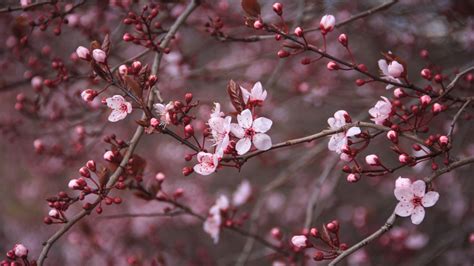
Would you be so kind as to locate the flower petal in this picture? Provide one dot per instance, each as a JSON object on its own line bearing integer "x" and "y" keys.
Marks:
{"x": 403, "y": 194}
{"x": 404, "y": 209}
{"x": 117, "y": 115}
{"x": 430, "y": 199}
{"x": 245, "y": 94}
{"x": 383, "y": 66}
{"x": 418, "y": 215}
{"x": 237, "y": 130}
{"x": 243, "y": 146}
{"x": 257, "y": 90}
{"x": 262, "y": 141}
{"x": 245, "y": 119}
{"x": 115, "y": 101}
{"x": 353, "y": 131}
{"x": 418, "y": 188}
{"x": 262, "y": 124}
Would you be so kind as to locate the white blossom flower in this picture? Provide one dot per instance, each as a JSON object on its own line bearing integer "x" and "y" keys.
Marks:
{"x": 213, "y": 222}
{"x": 339, "y": 141}
{"x": 257, "y": 95}
{"x": 208, "y": 163}
{"x": 389, "y": 70}
{"x": 164, "y": 111}
{"x": 242, "y": 193}
{"x": 251, "y": 131}
{"x": 120, "y": 108}
{"x": 220, "y": 129}
{"x": 381, "y": 111}
{"x": 413, "y": 200}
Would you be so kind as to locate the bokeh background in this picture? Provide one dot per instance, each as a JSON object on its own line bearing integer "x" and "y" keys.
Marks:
{"x": 301, "y": 98}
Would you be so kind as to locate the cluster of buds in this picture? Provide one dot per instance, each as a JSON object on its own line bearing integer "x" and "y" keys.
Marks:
{"x": 329, "y": 236}
{"x": 146, "y": 30}
{"x": 18, "y": 255}
{"x": 175, "y": 113}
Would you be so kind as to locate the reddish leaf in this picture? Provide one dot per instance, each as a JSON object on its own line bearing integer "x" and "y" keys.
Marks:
{"x": 106, "y": 44}
{"x": 251, "y": 7}
{"x": 235, "y": 95}
{"x": 133, "y": 85}
{"x": 95, "y": 45}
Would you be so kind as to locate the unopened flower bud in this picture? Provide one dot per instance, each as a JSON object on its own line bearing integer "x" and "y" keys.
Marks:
{"x": 188, "y": 131}
{"x": 20, "y": 251}
{"x": 372, "y": 159}
{"x": 278, "y": 8}
{"x": 343, "y": 39}
{"x": 299, "y": 32}
{"x": 91, "y": 165}
{"x": 436, "y": 108}
{"x": 425, "y": 100}
{"x": 187, "y": 171}
{"x": 443, "y": 140}
{"x": 353, "y": 177}
{"x": 109, "y": 156}
{"x": 283, "y": 54}
{"x": 404, "y": 158}
{"x": 299, "y": 241}
{"x": 426, "y": 74}
{"x": 392, "y": 136}
{"x": 160, "y": 177}
{"x": 99, "y": 55}
{"x": 258, "y": 24}
{"x": 89, "y": 95}
{"x": 83, "y": 171}
{"x": 327, "y": 24}
{"x": 83, "y": 53}
{"x": 332, "y": 65}
{"x": 438, "y": 78}
{"x": 399, "y": 93}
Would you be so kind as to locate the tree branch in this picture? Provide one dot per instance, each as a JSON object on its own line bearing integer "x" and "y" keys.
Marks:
{"x": 133, "y": 142}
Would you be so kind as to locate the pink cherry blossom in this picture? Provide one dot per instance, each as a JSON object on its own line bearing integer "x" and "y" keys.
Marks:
{"x": 25, "y": 3}
{"x": 164, "y": 112}
{"x": 327, "y": 23}
{"x": 83, "y": 53}
{"x": 413, "y": 200}
{"x": 242, "y": 193}
{"x": 208, "y": 163}
{"x": 299, "y": 241}
{"x": 220, "y": 129}
{"x": 386, "y": 74}
{"x": 381, "y": 111}
{"x": 20, "y": 250}
{"x": 251, "y": 131}
{"x": 120, "y": 108}
{"x": 339, "y": 140}
{"x": 256, "y": 96}
{"x": 214, "y": 220}
{"x": 99, "y": 55}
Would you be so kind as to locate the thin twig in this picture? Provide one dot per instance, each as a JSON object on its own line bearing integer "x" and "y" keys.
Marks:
{"x": 133, "y": 144}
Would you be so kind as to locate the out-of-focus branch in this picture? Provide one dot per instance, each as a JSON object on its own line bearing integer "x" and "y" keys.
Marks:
{"x": 455, "y": 119}
{"x": 27, "y": 7}
{"x": 132, "y": 145}
{"x": 454, "y": 165}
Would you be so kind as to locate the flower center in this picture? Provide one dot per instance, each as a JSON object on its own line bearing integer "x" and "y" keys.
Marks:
{"x": 123, "y": 107}
{"x": 249, "y": 132}
{"x": 416, "y": 201}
